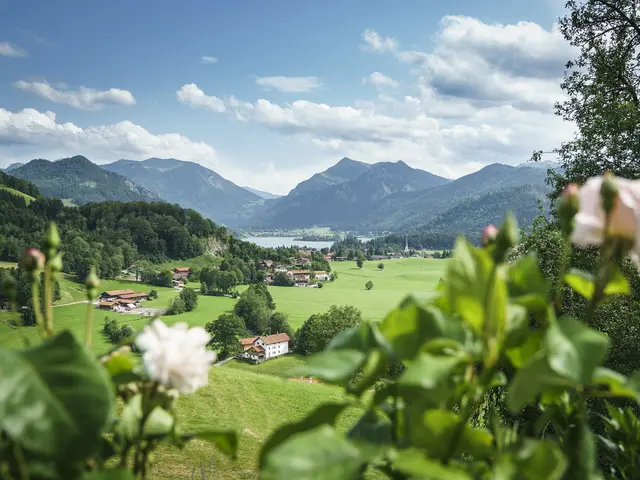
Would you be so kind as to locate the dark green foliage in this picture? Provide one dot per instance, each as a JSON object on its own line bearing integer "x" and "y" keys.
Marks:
{"x": 23, "y": 294}
{"x": 153, "y": 294}
{"x": 176, "y": 306}
{"x": 602, "y": 88}
{"x": 278, "y": 323}
{"x": 253, "y": 308}
{"x": 359, "y": 262}
{"x": 282, "y": 279}
{"x": 116, "y": 333}
{"x": 262, "y": 289}
{"x": 318, "y": 330}
{"x": 368, "y": 285}
{"x": 225, "y": 333}
{"x": 81, "y": 181}
{"x": 190, "y": 298}
{"x": 217, "y": 282}
{"x": 162, "y": 278}
{"x": 381, "y": 266}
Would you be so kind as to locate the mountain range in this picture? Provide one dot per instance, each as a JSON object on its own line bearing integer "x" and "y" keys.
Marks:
{"x": 350, "y": 195}
{"x": 192, "y": 186}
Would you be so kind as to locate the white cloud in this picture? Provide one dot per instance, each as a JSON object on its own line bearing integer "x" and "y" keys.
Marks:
{"x": 208, "y": 60}
{"x": 39, "y": 133}
{"x": 193, "y": 96}
{"x": 380, "y": 80}
{"x": 82, "y": 99}
{"x": 289, "y": 84}
{"x": 8, "y": 50}
{"x": 377, "y": 43}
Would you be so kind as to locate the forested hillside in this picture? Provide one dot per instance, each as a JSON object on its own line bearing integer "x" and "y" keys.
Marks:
{"x": 79, "y": 181}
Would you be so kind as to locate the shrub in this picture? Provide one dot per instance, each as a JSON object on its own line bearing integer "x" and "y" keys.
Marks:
{"x": 176, "y": 306}
{"x": 381, "y": 266}
{"x": 368, "y": 285}
{"x": 190, "y": 299}
{"x": 153, "y": 294}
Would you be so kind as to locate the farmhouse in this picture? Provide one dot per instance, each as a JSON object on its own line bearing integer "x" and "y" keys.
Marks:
{"x": 181, "y": 272}
{"x": 266, "y": 263}
{"x": 301, "y": 262}
{"x": 258, "y": 349}
{"x": 301, "y": 275}
{"x": 322, "y": 276}
{"x": 111, "y": 295}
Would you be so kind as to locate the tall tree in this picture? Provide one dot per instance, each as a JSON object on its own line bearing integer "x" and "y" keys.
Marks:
{"x": 225, "y": 333}
{"x": 602, "y": 86}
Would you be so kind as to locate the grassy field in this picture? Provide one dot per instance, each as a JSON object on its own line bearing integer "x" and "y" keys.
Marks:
{"x": 391, "y": 285}
{"x": 8, "y": 264}
{"x": 195, "y": 262}
{"x": 252, "y": 404}
{"x": 27, "y": 198}
{"x": 283, "y": 367}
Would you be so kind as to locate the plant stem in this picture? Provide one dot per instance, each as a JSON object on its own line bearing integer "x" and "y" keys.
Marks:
{"x": 35, "y": 300}
{"x": 88, "y": 334}
{"x": 48, "y": 301}
{"x": 22, "y": 467}
{"x": 16, "y": 317}
{"x": 147, "y": 408}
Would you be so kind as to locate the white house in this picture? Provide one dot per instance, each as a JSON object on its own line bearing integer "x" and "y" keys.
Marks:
{"x": 322, "y": 276}
{"x": 265, "y": 347}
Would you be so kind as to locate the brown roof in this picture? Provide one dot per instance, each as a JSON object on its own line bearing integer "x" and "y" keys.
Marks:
{"x": 129, "y": 296}
{"x": 276, "y": 338}
{"x": 116, "y": 293}
{"x": 258, "y": 348}
{"x": 248, "y": 341}
{"x": 182, "y": 269}
{"x": 106, "y": 304}
{"x": 300, "y": 272}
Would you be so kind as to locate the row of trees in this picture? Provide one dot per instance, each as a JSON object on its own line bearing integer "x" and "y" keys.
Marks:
{"x": 186, "y": 301}
{"x": 24, "y": 294}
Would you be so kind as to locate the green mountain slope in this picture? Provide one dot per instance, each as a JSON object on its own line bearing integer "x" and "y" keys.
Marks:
{"x": 192, "y": 186}
{"x": 344, "y": 194}
{"x": 81, "y": 181}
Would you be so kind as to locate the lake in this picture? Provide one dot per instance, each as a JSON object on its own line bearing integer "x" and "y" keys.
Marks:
{"x": 273, "y": 242}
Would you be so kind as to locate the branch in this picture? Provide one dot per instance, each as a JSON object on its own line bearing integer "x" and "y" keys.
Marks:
{"x": 620, "y": 12}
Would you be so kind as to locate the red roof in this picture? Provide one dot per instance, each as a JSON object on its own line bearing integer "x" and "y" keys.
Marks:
{"x": 131, "y": 296}
{"x": 248, "y": 341}
{"x": 276, "y": 338}
{"x": 117, "y": 293}
{"x": 182, "y": 269}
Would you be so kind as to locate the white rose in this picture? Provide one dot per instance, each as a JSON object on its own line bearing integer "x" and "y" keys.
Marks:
{"x": 176, "y": 357}
{"x": 590, "y": 219}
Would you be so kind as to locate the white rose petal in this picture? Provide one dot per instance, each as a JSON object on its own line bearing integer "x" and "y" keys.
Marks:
{"x": 590, "y": 220}
{"x": 176, "y": 356}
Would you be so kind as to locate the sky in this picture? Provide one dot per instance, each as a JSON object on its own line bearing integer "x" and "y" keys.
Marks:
{"x": 267, "y": 93}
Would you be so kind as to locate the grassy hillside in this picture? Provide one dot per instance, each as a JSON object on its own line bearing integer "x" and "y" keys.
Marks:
{"x": 252, "y": 404}
{"x": 27, "y": 198}
{"x": 283, "y": 367}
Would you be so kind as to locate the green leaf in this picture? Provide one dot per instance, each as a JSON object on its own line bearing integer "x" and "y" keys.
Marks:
{"x": 581, "y": 282}
{"x": 522, "y": 353}
{"x": 364, "y": 338}
{"x": 467, "y": 282}
{"x": 616, "y": 384}
{"x": 535, "y": 377}
{"x": 318, "y": 454}
{"x": 334, "y": 366}
{"x": 582, "y": 454}
{"x": 575, "y": 350}
{"x": 372, "y": 434}
{"x": 324, "y": 414}
{"x": 618, "y": 284}
{"x": 437, "y": 430}
{"x": 158, "y": 424}
{"x": 527, "y": 286}
{"x": 517, "y": 325}
{"x": 409, "y": 326}
{"x": 121, "y": 367}
{"x": 533, "y": 460}
{"x": 430, "y": 376}
{"x": 225, "y": 440}
{"x": 413, "y": 462}
{"x": 55, "y": 399}
{"x": 109, "y": 474}
{"x": 476, "y": 292}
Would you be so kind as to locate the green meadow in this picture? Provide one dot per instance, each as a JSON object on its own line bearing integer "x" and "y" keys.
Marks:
{"x": 27, "y": 198}
{"x": 418, "y": 276}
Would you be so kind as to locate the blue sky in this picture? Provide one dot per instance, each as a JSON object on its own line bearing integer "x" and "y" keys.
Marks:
{"x": 267, "y": 93}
